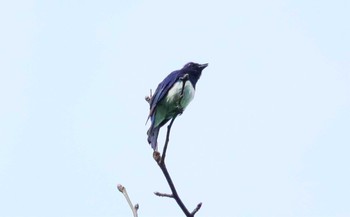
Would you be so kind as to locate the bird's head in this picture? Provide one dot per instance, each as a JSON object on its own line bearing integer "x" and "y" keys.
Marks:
{"x": 194, "y": 70}
{"x": 191, "y": 66}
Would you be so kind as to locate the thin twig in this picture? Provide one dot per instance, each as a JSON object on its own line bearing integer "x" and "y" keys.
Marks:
{"x": 196, "y": 209}
{"x": 133, "y": 208}
{"x": 167, "y": 140}
{"x": 163, "y": 195}
{"x": 161, "y": 163}
{"x": 160, "y": 159}
{"x": 183, "y": 79}
{"x": 173, "y": 190}
{"x": 148, "y": 98}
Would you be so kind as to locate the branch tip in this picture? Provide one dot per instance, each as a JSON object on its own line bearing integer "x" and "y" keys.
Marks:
{"x": 121, "y": 188}
{"x": 134, "y": 209}
{"x": 196, "y": 209}
{"x": 148, "y": 98}
{"x": 163, "y": 195}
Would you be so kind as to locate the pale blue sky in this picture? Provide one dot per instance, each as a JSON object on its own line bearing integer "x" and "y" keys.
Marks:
{"x": 268, "y": 133}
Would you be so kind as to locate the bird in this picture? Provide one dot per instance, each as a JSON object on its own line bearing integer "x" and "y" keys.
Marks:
{"x": 171, "y": 98}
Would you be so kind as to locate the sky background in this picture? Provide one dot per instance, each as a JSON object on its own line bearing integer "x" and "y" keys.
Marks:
{"x": 267, "y": 135}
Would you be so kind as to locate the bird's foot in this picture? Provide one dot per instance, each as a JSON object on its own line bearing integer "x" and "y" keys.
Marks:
{"x": 185, "y": 77}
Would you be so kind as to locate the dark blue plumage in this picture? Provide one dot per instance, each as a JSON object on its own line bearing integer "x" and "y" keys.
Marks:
{"x": 167, "y": 101}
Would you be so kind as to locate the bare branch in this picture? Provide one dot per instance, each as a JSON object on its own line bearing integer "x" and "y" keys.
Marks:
{"x": 196, "y": 209}
{"x": 167, "y": 140}
{"x": 184, "y": 79}
{"x": 160, "y": 159}
{"x": 134, "y": 209}
{"x": 161, "y": 163}
{"x": 163, "y": 195}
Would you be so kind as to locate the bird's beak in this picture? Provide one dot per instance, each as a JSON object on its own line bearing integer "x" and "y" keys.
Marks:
{"x": 202, "y": 66}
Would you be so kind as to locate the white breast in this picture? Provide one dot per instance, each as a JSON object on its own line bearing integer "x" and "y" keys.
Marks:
{"x": 174, "y": 93}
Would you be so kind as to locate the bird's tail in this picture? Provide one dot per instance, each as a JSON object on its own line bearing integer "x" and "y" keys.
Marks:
{"x": 153, "y": 137}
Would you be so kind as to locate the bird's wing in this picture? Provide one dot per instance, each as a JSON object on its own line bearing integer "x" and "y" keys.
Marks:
{"x": 162, "y": 90}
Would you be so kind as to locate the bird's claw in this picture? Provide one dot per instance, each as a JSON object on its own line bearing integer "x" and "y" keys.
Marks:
{"x": 185, "y": 77}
